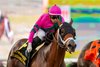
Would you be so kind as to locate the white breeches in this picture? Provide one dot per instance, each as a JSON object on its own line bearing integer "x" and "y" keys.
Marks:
{"x": 40, "y": 33}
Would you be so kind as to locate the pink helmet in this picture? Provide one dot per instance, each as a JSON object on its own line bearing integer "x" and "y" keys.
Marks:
{"x": 55, "y": 10}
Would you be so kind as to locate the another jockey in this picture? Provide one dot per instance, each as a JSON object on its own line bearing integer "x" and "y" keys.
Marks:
{"x": 47, "y": 23}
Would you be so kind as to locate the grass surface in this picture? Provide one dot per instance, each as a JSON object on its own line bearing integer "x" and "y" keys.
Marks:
{"x": 73, "y": 55}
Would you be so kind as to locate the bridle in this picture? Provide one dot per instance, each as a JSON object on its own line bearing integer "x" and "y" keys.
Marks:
{"x": 60, "y": 41}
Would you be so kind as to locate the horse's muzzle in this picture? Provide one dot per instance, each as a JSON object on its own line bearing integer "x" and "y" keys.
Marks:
{"x": 71, "y": 46}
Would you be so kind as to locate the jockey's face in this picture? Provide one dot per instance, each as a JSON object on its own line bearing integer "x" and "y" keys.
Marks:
{"x": 54, "y": 18}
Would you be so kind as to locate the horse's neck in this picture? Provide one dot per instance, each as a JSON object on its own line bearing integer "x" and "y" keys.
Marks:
{"x": 56, "y": 55}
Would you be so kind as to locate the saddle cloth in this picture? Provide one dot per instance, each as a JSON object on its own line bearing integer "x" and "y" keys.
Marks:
{"x": 20, "y": 54}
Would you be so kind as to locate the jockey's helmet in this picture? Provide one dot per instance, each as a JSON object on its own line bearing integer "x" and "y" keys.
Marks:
{"x": 55, "y": 10}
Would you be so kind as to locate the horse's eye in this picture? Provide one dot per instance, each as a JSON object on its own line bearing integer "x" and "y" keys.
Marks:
{"x": 62, "y": 31}
{"x": 93, "y": 47}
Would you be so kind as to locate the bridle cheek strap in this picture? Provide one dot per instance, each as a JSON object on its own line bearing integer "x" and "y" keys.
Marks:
{"x": 63, "y": 42}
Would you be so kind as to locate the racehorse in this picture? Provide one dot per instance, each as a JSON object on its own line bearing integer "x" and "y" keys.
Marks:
{"x": 51, "y": 55}
{"x": 5, "y": 27}
{"x": 90, "y": 55}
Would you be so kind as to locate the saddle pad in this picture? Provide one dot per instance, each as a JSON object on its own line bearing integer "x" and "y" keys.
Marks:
{"x": 20, "y": 54}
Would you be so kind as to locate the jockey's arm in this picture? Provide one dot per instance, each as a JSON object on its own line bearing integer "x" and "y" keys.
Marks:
{"x": 35, "y": 28}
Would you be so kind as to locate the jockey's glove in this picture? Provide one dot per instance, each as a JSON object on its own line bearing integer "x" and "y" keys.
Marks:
{"x": 29, "y": 47}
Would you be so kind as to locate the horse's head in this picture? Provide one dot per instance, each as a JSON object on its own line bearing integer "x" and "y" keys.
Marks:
{"x": 66, "y": 36}
{"x": 93, "y": 53}
{"x": 95, "y": 49}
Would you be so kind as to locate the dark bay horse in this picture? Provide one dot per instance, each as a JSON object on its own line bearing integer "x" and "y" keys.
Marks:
{"x": 5, "y": 28}
{"x": 90, "y": 55}
{"x": 51, "y": 55}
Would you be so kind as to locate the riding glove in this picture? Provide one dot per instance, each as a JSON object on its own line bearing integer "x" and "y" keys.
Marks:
{"x": 29, "y": 47}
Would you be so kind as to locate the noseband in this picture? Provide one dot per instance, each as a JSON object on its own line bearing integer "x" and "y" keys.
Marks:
{"x": 61, "y": 42}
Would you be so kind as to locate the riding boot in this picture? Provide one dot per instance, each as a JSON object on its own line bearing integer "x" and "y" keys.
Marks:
{"x": 36, "y": 42}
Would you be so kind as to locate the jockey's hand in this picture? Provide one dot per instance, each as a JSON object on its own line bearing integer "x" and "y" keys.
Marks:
{"x": 50, "y": 36}
{"x": 29, "y": 47}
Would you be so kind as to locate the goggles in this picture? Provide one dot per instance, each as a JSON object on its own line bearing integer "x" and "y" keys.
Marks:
{"x": 54, "y": 16}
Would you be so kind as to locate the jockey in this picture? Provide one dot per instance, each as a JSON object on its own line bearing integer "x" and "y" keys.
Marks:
{"x": 47, "y": 23}
{"x": 4, "y": 19}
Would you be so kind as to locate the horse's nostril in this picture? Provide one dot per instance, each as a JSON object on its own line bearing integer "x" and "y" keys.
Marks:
{"x": 69, "y": 45}
{"x": 75, "y": 45}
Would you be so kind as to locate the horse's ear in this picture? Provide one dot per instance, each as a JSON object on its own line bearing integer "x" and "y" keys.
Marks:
{"x": 71, "y": 22}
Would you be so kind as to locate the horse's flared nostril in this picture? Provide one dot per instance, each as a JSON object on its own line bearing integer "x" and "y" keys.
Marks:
{"x": 69, "y": 45}
{"x": 72, "y": 47}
